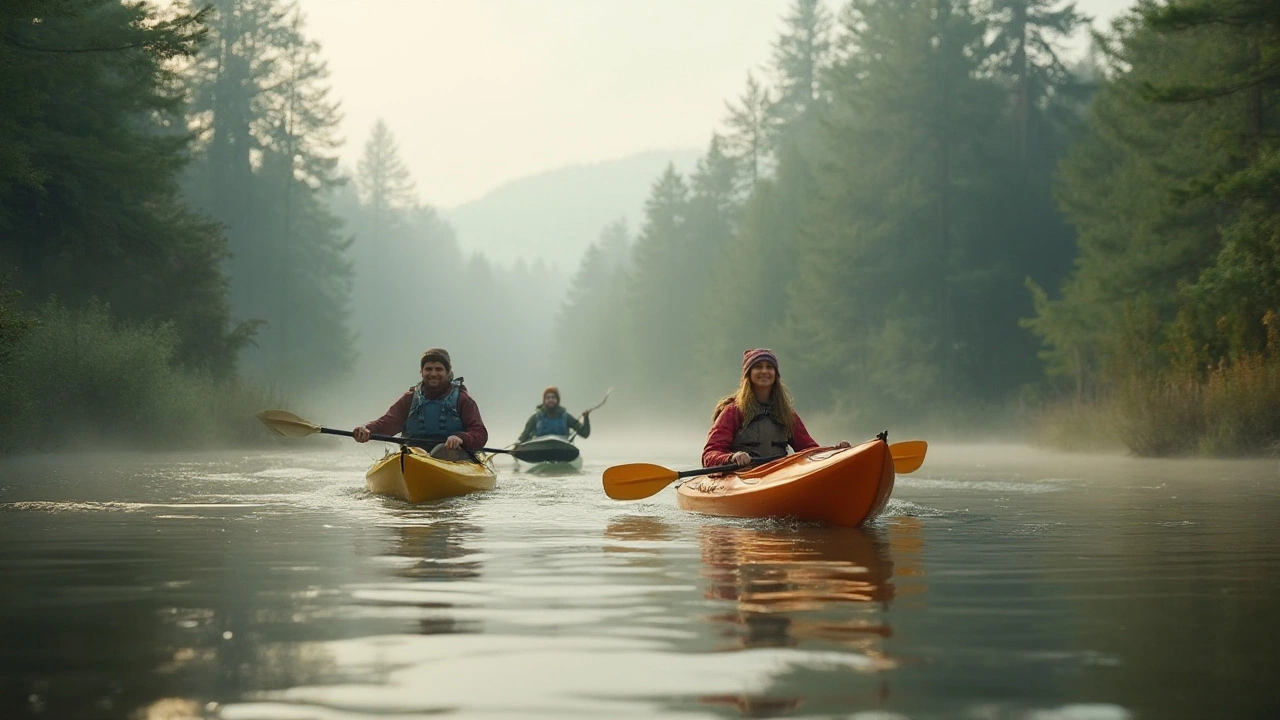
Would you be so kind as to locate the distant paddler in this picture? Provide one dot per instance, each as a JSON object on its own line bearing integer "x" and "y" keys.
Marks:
{"x": 550, "y": 418}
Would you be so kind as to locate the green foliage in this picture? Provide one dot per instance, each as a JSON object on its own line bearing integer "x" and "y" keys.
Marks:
{"x": 748, "y": 304}
{"x": 1174, "y": 191}
{"x": 1126, "y": 187}
{"x": 14, "y": 325}
{"x": 801, "y": 54}
{"x": 588, "y": 347}
{"x": 752, "y": 127}
{"x": 83, "y": 378}
{"x": 91, "y": 140}
{"x": 894, "y": 198}
{"x": 416, "y": 289}
{"x": 664, "y": 282}
{"x": 266, "y": 165}
{"x": 897, "y": 228}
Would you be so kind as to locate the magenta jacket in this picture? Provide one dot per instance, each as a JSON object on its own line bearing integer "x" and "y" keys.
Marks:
{"x": 716, "y": 452}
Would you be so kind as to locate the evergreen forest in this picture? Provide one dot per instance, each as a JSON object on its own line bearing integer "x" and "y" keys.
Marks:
{"x": 938, "y": 219}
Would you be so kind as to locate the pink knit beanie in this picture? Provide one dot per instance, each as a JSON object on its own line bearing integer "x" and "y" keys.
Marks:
{"x": 751, "y": 357}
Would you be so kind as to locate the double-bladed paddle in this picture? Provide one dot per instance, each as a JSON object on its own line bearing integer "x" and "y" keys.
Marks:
{"x": 285, "y": 423}
{"x": 641, "y": 480}
{"x": 592, "y": 409}
{"x": 600, "y": 404}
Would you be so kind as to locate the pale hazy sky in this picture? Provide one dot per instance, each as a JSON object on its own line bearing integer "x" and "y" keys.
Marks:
{"x": 480, "y": 92}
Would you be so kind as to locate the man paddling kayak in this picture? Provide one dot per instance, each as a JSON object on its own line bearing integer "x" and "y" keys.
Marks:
{"x": 757, "y": 420}
{"x": 439, "y": 406}
{"x": 552, "y": 419}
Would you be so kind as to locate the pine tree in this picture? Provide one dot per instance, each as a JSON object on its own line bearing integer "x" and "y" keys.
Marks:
{"x": 801, "y": 54}
{"x": 91, "y": 142}
{"x": 658, "y": 296}
{"x": 1128, "y": 188}
{"x": 268, "y": 142}
{"x": 1240, "y": 289}
{"x": 383, "y": 180}
{"x": 1026, "y": 51}
{"x": 1046, "y": 101}
{"x": 588, "y": 347}
{"x": 881, "y": 301}
{"x": 752, "y": 126}
{"x": 716, "y": 252}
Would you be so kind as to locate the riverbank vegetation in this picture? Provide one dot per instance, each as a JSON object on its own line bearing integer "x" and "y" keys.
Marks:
{"x": 81, "y": 379}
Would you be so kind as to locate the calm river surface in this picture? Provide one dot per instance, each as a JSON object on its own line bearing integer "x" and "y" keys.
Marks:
{"x": 1001, "y": 583}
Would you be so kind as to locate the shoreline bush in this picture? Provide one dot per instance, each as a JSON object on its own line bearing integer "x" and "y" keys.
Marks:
{"x": 1233, "y": 412}
{"x": 81, "y": 378}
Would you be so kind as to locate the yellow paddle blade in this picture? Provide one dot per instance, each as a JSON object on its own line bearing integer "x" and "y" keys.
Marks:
{"x": 637, "y": 480}
{"x": 908, "y": 455}
{"x": 283, "y": 422}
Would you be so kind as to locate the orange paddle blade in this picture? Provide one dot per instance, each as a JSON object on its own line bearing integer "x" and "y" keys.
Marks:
{"x": 908, "y": 455}
{"x": 637, "y": 480}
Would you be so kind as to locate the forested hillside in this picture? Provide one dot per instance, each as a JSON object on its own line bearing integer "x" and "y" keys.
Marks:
{"x": 937, "y": 218}
{"x": 941, "y": 222}
{"x": 872, "y": 209}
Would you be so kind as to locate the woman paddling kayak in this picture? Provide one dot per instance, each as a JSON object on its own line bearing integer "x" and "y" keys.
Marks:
{"x": 757, "y": 420}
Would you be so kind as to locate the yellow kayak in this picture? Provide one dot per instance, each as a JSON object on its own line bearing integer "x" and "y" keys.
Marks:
{"x": 413, "y": 475}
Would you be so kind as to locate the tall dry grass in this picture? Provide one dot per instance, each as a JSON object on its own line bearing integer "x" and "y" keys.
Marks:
{"x": 1234, "y": 411}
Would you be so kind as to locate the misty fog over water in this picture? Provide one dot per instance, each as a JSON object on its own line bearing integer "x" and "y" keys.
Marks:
{"x": 1000, "y": 582}
{"x": 997, "y": 231}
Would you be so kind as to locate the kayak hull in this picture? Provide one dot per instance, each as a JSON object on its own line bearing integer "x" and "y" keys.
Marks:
{"x": 837, "y": 486}
{"x": 572, "y": 467}
{"x": 556, "y": 443}
{"x": 414, "y": 476}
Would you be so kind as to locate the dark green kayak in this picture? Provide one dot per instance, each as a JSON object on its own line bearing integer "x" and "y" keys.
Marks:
{"x": 552, "y": 445}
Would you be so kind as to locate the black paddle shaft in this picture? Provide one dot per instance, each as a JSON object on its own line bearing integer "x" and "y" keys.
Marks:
{"x": 536, "y": 455}
{"x": 386, "y": 438}
{"x": 727, "y": 468}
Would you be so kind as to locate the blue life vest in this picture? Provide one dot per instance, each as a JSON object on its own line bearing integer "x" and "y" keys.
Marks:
{"x": 552, "y": 425}
{"x": 433, "y": 418}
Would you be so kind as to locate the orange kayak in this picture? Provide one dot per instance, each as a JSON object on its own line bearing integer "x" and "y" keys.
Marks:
{"x": 839, "y": 486}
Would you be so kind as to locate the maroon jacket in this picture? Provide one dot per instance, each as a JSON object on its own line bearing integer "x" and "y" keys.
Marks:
{"x": 719, "y": 441}
{"x": 474, "y": 434}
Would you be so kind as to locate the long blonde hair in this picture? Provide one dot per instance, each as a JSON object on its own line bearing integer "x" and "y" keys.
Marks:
{"x": 745, "y": 399}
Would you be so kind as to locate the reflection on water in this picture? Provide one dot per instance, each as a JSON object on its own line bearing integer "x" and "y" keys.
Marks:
{"x": 816, "y": 599}
{"x": 102, "y": 616}
{"x": 822, "y": 587}
{"x": 638, "y": 528}
{"x": 828, "y": 584}
{"x": 275, "y": 587}
{"x": 439, "y": 549}
{"x": 171, "y": 709}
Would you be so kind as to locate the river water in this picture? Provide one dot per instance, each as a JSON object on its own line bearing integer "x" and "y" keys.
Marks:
{"x": 1001, "y": 583}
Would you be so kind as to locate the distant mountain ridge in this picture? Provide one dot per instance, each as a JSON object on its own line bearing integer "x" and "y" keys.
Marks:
{"x": 556, "y": 214}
